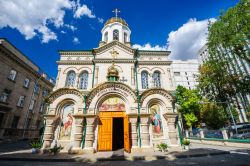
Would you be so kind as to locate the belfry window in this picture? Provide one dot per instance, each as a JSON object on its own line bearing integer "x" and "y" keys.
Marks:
{"x": 115, "y": 34}
{"x": 157, "y": 79}
{"x": 106, "y": 37}
{"x": 125, "y": 37}
{"x": 83, "y": 84}
{"x": 144, "y": 79}
{"x": 71, "y": 76}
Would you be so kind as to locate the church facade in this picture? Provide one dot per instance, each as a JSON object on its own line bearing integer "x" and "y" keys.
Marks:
{"x": 112, "y": 97}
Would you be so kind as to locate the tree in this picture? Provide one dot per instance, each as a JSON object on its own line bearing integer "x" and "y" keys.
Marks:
{"x": 189, "y": 105}
{"x": 213, "y": 116}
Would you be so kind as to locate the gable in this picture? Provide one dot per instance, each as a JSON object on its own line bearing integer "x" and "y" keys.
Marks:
{"x": 124, "y": 51}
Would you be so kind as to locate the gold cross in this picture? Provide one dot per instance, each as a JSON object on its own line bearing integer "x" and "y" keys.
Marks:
{"x": 116, "y": 11}
{"x": 114, "y": 53}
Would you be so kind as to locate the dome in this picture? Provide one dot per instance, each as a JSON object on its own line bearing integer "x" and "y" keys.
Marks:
{"x": 116, "y": 19}
{"x": 113, "y": 72}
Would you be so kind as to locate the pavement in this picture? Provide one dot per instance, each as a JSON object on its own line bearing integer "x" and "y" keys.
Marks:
{"x": 20, "y": 151}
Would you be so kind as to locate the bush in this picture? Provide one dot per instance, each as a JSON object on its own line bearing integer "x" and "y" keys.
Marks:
{"x": 56, "y": 149}
{"x": 162, "y": 147}
{"x": 186, "y": 142}
{"x": 36, "y": 145}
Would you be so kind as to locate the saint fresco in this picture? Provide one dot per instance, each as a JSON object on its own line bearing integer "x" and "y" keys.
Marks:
{"x": 156, "y": 121}
{"x": 66, "y": 123}
{"x": 112, "y": 104}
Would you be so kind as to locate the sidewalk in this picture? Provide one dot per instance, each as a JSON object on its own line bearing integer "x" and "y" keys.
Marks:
{"x": 195, "y": 151}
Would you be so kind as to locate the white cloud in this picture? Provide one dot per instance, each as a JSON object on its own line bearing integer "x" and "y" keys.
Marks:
{"x": 82, "y": 10}
{"x": 76, "y": 40}
{"x": 100, "y": 20}
{"x": 71, "y": 27}
{"x": 63, "y": 32}
{"x": 37, "y": 17}
{"x": 185, "y": 42}
{"x": 149, "y": 47}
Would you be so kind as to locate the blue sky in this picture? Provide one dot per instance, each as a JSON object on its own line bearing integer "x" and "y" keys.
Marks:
{"x": 41, "y": 28}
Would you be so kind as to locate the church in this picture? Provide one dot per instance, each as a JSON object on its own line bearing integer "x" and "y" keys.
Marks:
{"x": 112, "y": 97}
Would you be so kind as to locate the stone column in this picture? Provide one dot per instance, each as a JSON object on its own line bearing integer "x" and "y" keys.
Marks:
{"x": 224, "y": 133}
{"x": 48, "y": 135}
{"x": 133, "y": 131}
{"x": 202, "y": 134}
{"x": 144, "y": 123}
{"x": 78, "y": 133}
{"x": 171, "y": 121}
{"x": 90, "y": 135}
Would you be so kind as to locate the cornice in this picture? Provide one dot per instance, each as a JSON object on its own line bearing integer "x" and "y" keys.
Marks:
{"x": 74, "y": 62}
{"x": 154, "y": 62}
{"x": 153, "y": 53}
{"x": 75, "y": 53}
{"x": 116, "y": 60}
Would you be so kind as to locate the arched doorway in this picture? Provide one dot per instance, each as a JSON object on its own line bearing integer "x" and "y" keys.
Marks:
{"x": 113, "y": 126}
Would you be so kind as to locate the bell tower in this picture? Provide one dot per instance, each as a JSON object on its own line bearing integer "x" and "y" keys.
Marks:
{"x": 116, "y": 29}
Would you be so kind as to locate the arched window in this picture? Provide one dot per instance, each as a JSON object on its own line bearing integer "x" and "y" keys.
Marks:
{"x": 125, "y": 37}
{"x": 71, "y": 76}
{"x": 157, "y": 79}
{"x": 106, "y": 37}
{"x": 144, "y": 79}
{"x": 83, "y": 84}
{"x": 115, "y": 34}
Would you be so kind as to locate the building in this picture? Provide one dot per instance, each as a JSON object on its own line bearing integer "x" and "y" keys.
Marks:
{"x": 112, "y": 97}
{"x": 22, "y": 91}
{"x": 185, "y": 73}
{"x": 236, "y": 65}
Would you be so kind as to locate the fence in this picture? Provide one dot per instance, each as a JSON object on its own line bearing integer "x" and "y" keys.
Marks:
{"x": 223, "y": 135}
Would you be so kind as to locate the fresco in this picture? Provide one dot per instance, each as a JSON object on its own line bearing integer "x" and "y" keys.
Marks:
{"x": 156, "y": 121}
{"x": 66, "y": 123}
{"x": 112, "y": 104}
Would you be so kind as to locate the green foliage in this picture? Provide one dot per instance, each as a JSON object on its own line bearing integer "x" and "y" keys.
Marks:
{"x": 162, "y": 147}
{"x": 213, "y": 115}
{"x": 56, "y": 149}
{"x": 186, "y": 142}
{"x": 189, "y": 105}
{"x": 35, "y": 145}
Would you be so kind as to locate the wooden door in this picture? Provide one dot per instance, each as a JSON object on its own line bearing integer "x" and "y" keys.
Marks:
{"x": 126, "y": 135}
{"x": 105, "y": 134}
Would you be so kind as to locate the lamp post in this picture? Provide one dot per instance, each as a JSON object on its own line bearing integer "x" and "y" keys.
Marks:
{"x": 230, "y": 111}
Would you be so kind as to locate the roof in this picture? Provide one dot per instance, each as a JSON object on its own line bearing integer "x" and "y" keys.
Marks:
{"x": 116, "y": 19}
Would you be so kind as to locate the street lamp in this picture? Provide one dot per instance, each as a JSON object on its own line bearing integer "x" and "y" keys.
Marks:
{"x": 230, "y": 111}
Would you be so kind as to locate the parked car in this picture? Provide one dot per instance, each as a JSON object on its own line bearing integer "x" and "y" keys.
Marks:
{"x": 241, "y": 136}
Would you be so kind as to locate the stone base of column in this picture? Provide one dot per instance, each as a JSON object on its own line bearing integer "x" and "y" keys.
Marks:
{"x": 142, "y": 149}
{"x": 87, "y": 151}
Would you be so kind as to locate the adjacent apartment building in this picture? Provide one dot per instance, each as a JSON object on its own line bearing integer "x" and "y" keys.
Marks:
{"x": 22, "y": 91}
{"x": 185, "y": 73}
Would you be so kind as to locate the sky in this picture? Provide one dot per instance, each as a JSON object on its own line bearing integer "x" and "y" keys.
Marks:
{"x": 39, "y": 28}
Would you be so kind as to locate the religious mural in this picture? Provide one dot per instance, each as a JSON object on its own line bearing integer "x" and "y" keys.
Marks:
{"x": 112, "y": 104}
{"x": 156, "y": 121}
{"x": 66, "y": 123}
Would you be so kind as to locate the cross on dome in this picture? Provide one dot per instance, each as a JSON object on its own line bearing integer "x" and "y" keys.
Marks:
{"x": 116, "y": 11}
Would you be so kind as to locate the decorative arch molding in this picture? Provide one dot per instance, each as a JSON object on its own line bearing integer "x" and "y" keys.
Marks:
{"x": 158, "y": 69}
{"x": 63, "y": 91}
{"x": 158, "y": 91}
{"x": 107, "y": 85}
{"x": 144, "y": 69}
{"x": 82, "y": 69}
{"x": 107, "y": 89}
{"x": 65, "y": 71}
